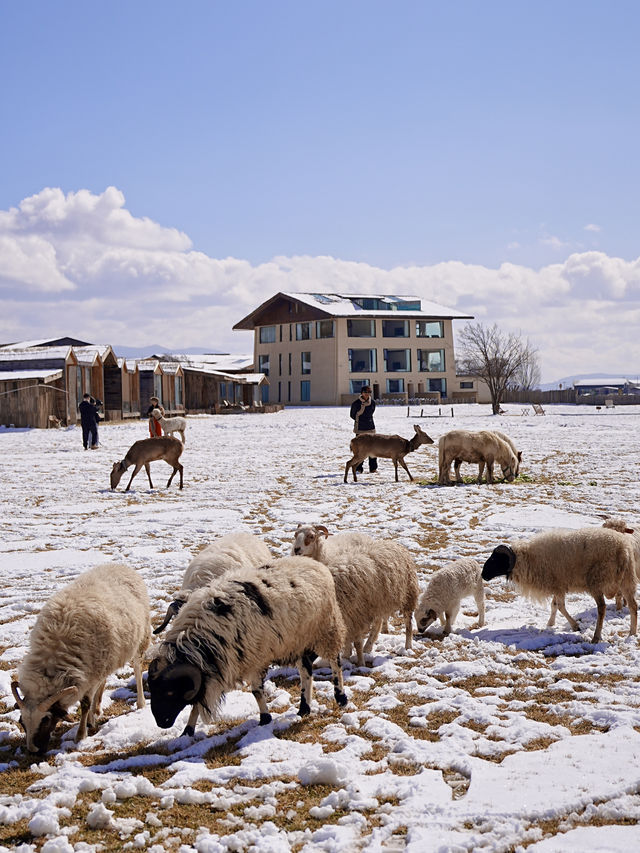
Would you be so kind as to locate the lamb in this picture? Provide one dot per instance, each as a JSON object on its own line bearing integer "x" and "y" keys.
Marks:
{"x": 482, "y": 447}
{"x": 235, "y": 628}
{"x": 553, "y": 563}
{"x": 171, "y": 425}
{"x": 84, "y": 632}
{"x": 512, "y": 445}
{"x": 226, "y": 554}
{"x": 446, "y": 589}
{"x": 374, "y": 578}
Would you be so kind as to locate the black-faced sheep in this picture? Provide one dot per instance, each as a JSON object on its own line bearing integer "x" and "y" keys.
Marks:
{"x": 485, "y": 447}
{"x": 85, "y": 632}
{"x": 446, "y": 589}
{"x": 554, "y": 563}
{"x": 228, "y": 553}
{"x": 374, "y": 578}
{"x": 235, "y": 628}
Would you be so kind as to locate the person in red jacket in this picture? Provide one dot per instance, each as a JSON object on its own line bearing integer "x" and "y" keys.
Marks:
{"x": 155, "y": 427}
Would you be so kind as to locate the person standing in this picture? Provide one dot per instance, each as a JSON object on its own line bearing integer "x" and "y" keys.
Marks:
{"x": 96, "y": 404}
{"x": 88, "y": 413}
{"x": 361, "y": 413}
{"x": 155, "y": 427}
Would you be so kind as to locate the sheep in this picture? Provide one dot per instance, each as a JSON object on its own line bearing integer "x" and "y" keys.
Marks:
{"x": 145, "y": 451}
{"x": 233, "y": 629}
{"x": 374, "y": 578}
{"x": 171, "y": 425}
{"x": 446, "y": 589}
{"x": 512, "y": 445}
{"x": 84, "y": 632}
{"x": 555, "y": 562}
{"x": 385, "y": 446}
{"x": 484, "y": 446}
{"x": 226, "y": 554}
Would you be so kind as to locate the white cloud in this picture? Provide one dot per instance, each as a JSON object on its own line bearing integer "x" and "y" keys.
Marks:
{"x": 553, "y": 242}
{"x": 81, "y": 264}
{"x": 592, "y": 227}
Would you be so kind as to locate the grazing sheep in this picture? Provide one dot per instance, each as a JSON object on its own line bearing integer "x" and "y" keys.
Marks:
{"x": 374, "y": 578}
{"x": 84, "y": 632}
{"x": 230, "y": 552}
{"x": 446, "y": 589}
{"x": 556, "y": 562}
{"x": 485, "y": 447}
{"x": 171, "y": 425}
{"x": 512, "y": 445}
{"x": 235, "y": 628}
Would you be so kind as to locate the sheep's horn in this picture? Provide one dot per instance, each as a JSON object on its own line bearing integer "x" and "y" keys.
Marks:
{"x": 172, "y": 610}
{"x": 322, "y": 529}
{"x": 16, "y": 695}
{"x": 44, "y": 706}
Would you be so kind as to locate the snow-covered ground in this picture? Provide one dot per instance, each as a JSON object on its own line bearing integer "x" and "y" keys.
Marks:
{"x": 503, "y": 738}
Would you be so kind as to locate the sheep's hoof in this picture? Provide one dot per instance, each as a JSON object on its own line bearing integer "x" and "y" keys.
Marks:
{"x": 189, "y": 731}
{"x": 304, "y": 708}
{"x": 341, "y": 698}
{"x": 265, "y": 719}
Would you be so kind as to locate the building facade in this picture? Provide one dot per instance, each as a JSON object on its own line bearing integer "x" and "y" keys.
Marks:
{"x": 321, "y": 348}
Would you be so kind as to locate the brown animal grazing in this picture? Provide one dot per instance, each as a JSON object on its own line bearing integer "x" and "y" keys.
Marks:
{"x": 484, "y": 448}
{"x": 149, "y": 450}
{"x": 386, "y": 446}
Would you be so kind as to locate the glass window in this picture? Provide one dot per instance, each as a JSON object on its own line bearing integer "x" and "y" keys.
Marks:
{"x": 303, "y": 331}
{"x": 362, "y": 361}
{"x": 264, "y": 392}
{"x": 466, "y": 385}
{"x": 279, "y": 365}
{"x": 263, "y": 364}
{"x": 78, "y": 385}
{"x": 431, "y": 361}
{"x": 356, "y": 385}
{"x": 429, "y": 329}
{"x": 305, "y": 391}
{"x": 395, "y": 328}
{"x": 361, "y": 328}
{"x": 288, "y": 392}
{"x": 325, "y": 329}
{"x": 267, "y": 334}
{"x": 437, "y": 385}
{"x": 289, "y": 365}
{"x": 305, "y": 363}
{"x": 223, "y": 390}
{"x": 397, "y": 360}
{"x": 395, "y": 386}
{"x": 279, "y": 392}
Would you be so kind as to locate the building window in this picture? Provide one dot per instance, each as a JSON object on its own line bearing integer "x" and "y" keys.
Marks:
{"x": 157, "y": 386}
{"x": 178, "y": 390}
{"x": 356, "y": 385}
{"x": 267, "y": 334}
{"x": 288, "y": 392}
{"x": 397, "y": 360}
{"x": 395, "y": 386}
{"x": 361, "y": 328}
{"x": 362, "y": 361}
{"x": 264, "y": 391}
{"x": 305, "y": 363}
{"x": 431, "y": 361}
{"x": 263, "y": 364}
{"x": 429, "y": 329}
{"x": 279, "y": 365}
{"x": 289, "y": 364}
{"x": 280, "y": 332}
{"x": 437, "y": 385}
{"x": 303, "y": 331}
{"x": 305, "y": 391}
{"x": 223, "y": 390}
{"x": 325, "y": 329}
{"x": 466, "y": 385}
{"x": 279, "y": 392}
{"x": 395, "y": 328}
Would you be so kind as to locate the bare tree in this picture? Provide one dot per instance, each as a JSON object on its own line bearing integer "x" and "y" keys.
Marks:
{"x": 502, "y": 360}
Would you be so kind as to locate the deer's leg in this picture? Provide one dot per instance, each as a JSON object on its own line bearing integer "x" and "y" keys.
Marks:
{"x": 480, "y": 471}
{"x": 148, "y": 470}
{"x": 404, "y": 465}
{"x": 135, "y": 471}
{"x": 489, "y": 463}
{"x": 395, "y": 466}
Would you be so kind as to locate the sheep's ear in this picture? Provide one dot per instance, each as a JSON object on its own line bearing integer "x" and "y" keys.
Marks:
{"x": 322, "y": 529}
{"x": 16, "y": 695}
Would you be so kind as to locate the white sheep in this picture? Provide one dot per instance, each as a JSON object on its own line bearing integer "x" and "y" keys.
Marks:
{"x": 374, "y": 578}
{"x": 551, "y": 564}
{"x": 233, "y": 629}
{"x": 228, "y": 553}
{"x": 171, "y": 425}
{"x": 484, "y": 447}
{"x": 85, "y": 631}
{"x": 518, "y": 453}
{"x": 446, "y": 589}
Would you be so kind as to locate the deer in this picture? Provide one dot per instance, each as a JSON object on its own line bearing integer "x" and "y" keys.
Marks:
{"x": 149, "y": 450}
{"x": 386, "y": 446}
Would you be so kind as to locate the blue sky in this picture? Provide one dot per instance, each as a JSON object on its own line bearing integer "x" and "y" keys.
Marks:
{"x": 394, "y": 135}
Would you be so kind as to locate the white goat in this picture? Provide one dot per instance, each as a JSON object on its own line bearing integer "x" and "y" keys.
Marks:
{"x": 551, "y": 564}
{"x": 228, "y": 553}
{"x": 374, "y": 578}
{"x": 446, "y": 589}
{"x": 84, "y": 632}
{"x": 171, "y": 425}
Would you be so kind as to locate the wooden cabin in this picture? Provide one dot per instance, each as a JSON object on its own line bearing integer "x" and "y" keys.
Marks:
{"x": 45, "y": 362}
{"x": 101, "y": 377}
{"x": 130, "y": 388}
{"x": 29, "y": 397}
{"x": 150, "y": 376}
{"x": 172, "y": 397}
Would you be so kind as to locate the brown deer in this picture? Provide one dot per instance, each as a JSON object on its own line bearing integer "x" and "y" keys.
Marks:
{"x": 386, "y": 446}
{"x": 148, "y": 450}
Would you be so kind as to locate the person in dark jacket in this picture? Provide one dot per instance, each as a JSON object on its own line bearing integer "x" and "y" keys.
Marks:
{"x": 361, "y": 413}
{"x": 88, "y": 412}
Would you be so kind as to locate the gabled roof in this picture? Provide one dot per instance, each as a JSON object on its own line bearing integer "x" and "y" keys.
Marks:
{"x": 39, "y": 353}
{"x": 222, "y": 361}
{"x": 331, "y": 305}
{"x": 45, "y": 342}
{"x": 44, "y": 374}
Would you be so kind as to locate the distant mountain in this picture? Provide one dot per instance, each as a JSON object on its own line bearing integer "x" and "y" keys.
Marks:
{"x": 567, "y": 381}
